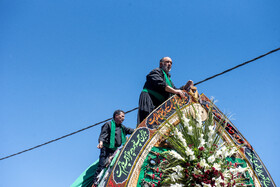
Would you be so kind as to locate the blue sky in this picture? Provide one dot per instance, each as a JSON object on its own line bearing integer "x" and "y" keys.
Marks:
{"x": 65, "y": 65}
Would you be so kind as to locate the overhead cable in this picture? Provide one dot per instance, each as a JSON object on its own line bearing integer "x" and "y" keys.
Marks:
{"x": 70, "y": 134}
{"x": 83, "y": 129}
{"x": 228, "y": 70}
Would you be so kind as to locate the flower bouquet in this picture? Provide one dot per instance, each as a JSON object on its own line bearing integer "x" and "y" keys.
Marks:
{"x": 199, "y": 156}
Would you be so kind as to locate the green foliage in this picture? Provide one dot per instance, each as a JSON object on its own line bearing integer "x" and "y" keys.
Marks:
{"x": 199, "y": 155}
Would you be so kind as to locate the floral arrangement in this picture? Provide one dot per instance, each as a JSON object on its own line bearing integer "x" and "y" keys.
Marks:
{"x": 198, "y": 156}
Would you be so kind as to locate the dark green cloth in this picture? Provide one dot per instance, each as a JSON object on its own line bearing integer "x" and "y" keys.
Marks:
{"x": 146, "y": 162}
{"x": 243, "y": 164}
{"x": 168, "y": 81}
{"x": 112, "y": 136}
{"x": 120, "y": 135}
{"x": 85, "y": 179}
{"x": 156, "y": 94}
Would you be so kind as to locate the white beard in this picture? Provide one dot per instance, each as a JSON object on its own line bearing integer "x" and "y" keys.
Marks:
{"x": 165, "y": 69}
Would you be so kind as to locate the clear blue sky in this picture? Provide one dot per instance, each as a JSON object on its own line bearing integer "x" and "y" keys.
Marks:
{"x": 68, "y": 64}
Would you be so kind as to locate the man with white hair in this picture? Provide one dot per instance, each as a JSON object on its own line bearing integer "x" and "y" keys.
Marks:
{"x": 158, "y": 88}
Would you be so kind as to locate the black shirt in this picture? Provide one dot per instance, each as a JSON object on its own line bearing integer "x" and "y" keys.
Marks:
{"x": 106, "y": 133}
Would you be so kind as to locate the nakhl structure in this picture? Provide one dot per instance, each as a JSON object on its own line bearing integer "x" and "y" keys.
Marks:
{"x": 184, "y": 142}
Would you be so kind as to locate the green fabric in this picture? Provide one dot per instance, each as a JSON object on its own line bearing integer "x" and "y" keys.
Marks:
{"x": 243, "y": 164}
{"x": 233, "y": 160}
{"x": 168, "y": 81}
{"x": 146, "y": 162}
{"x": 85, "y": 179}
{"x": 112, "y": 136}
{"x": 154, "y": 93}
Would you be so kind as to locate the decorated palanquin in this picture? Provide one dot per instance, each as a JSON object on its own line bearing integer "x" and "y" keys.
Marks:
{"x": 137, "y": 162}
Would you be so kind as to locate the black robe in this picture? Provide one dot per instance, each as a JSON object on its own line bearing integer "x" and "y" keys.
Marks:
{"x": 155, "y": 81}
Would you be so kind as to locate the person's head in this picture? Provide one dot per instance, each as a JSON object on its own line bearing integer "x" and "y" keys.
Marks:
{"x": 118, "y": 116}
{"x": 165, "y": 63}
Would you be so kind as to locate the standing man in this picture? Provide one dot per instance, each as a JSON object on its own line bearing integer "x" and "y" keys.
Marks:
{"x": 113, "y": 135}
{"x": 158, "y": 88}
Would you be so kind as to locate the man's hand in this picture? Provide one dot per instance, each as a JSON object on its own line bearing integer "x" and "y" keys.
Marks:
{"x": 100, "y": 145}
{"x": 180, "y": 93}
{"x": 175, "y": 91}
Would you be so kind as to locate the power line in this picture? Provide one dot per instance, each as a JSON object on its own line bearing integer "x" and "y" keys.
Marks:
{"x": 228, "y": 70}
{"x": 83, "y": 129}
{"x": 70, "y": 134}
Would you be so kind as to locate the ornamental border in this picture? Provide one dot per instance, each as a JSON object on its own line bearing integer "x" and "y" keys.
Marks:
{"x": 238, "y": 139}
{"x": 168, "y": 104}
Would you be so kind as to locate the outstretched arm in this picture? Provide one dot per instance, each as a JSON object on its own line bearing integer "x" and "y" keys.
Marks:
{"x": 175, "y": 91}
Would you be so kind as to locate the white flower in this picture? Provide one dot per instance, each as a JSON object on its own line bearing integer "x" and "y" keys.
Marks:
{"x": 201, "y": 135}
{"x": 218, "y": 153}
{"x": 241, "y": 170}
{"x": 176, "y": 155}
{"x": 210, "y": 140}
{"x": 210, "y": 135}
{"x": 176, "y": 185}
{"x": 199, "y": 121}
{"x": 190, "y": 131}
{"x": 180, "y": 136}
{"x": 233, "y": 170}
{"x": 217, "y": 166}
{"x": 186, "y": 121}
{"x": 223, "y": 149}
{"x": 205, "y": 185}
{"x": 218, "y": 181}
{"x": 203, "y": 163}
{"x": 197, "y": 185}
{"x": 199, "y": 124}
{"x": 196, "y": 171}
{"x": 227, "y": 175}
{"x": 192, "y": 157}
{"x": 178, "y": 169}
{"x": 209, "y": 143}
{"x": 224, "y": 152}
{"x": 198, "y": 115}
{"x": 174, "y": 176}
{"x": 211, "y": 129}
{"x": 232, "y": 151}
{"x": 202, "y": 142}
{"x": 211, "y": 159}
{"x": 189, "y": 151}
